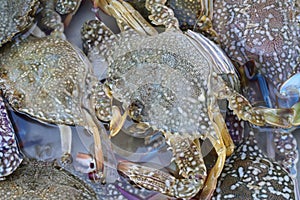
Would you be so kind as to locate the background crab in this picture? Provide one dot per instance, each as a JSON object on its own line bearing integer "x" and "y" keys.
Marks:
{"x": 142, "y": 75}
{"x": 17, "y": 16}
{"x": 249, "y": 174}
{"x": 42, "y": 180}
{"x": 49, "y": 79}
{"x": 250, "y": 31}
{"x": 267, "y": 33}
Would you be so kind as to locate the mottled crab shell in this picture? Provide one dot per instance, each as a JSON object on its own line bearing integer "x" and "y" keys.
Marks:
{"x": 41, "y": 180}
{"x": 264, "y": 31}
{"x": 67, "y": 6}
{"x": 187, "y": 12}
{"x": 123, "y": 190}
{"x": 10, "y": 156}
{"x": 45, "y": 78}
{"x": 166, "y": 76}
{"x": 249, "y": 174}
{"x": 16, "y": 16}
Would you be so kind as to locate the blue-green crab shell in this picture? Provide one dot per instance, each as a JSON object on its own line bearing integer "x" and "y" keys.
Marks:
{"x": 16, "y": 16}
{"x": 167, "y": 76}
{"x": 42, "y": 180}
{"x": 45, "y": 78}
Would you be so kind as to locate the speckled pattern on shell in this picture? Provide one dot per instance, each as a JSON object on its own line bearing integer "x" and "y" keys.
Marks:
{"x": 171, "y": 86}
{"x": 66, "y": 6}
{"x": 42, "y": 180}
{"x": 45, "y": 78}
{"x": 249, "y": 174}
{"x": 123, "y": 190}
{"x": 186, "y": 11}
{"x": 15, "y": 17}
{"x": 10, "y": 156}
{"x": 266, "y": 31}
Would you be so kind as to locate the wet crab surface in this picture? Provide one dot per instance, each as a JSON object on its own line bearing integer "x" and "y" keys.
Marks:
{"x": 267, "y": 33}
{"x": 42, "y": 180}
{"x": 265, "y": 147}
{"x": 17, "y": 16}
{"x": 249, "y": 174}
{"x": 38, "y": 127}
{"x": 45, "y": 148}
{"x": 116, "y": 73}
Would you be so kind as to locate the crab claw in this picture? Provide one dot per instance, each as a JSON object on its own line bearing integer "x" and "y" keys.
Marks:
{"x": 249, "y": 174}
{"x": 160, "y": 181}
{"x": 153, "y": 179}
{"x": 296, "y": 119}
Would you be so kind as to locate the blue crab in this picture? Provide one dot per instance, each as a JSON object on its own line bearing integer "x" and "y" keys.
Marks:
{"x": 49, "y": 79}
{"x": 33, "y": 80}
{"x": 144, "y": 69}
{"x": 266, "y": 32}
{"x": 121, "y": 189}
{"x": 10, "y": 156}
{"x": 187, "y": 13}
{"x": 249, "y": 174}
{"x": 42, "y": 180}
{"x": 64, "y": 7}
{"x": 17, "y": 17}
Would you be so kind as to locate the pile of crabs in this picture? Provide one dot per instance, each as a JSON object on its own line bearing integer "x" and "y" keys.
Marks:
{"x": 202, "y": 77}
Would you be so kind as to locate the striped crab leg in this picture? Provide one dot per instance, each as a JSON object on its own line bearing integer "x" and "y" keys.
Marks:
{"x": 10, "y": 156}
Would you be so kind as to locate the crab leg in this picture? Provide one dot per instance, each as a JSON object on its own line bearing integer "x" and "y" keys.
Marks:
{"x": 68, "y": 8}
{"x": 93, "y": 128}
{"x": 207, "y": 8}
{"x": 161, "y": 14}
{"x": 102, "y": 102}
{"x": 211, "y": 181}
{"x": 124, "y": 12}
{"x": 258, "y": 116}
{"x": 296, "y": 118}
{"x": 228, "y": 142}
{"x": 204, "y": 22}
{"x": 239, "y": 104}
{"x": 192, "y": 171}
{"x": 51, "y": 20}
{"x": 66, "y": 143}
{"x": 218, "y": 139}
